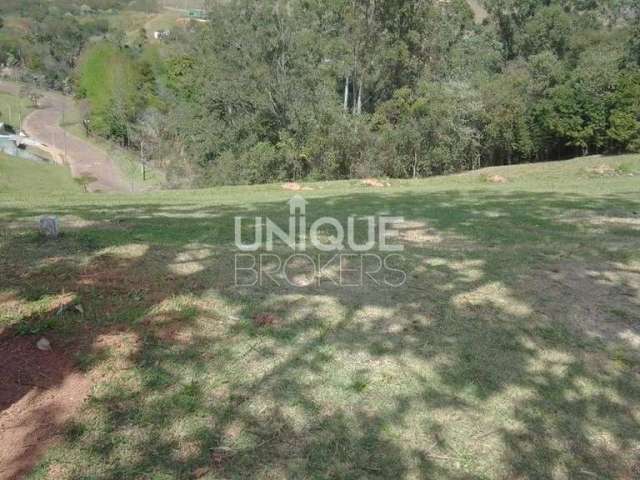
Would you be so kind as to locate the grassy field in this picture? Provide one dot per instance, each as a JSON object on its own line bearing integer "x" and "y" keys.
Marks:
{"x": 21, "y": 180}
{"x": 510, "y": 352}
{"x": 13, "y": 109}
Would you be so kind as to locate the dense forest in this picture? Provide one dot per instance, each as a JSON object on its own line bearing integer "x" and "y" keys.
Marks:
{"x": 284, "y": 90}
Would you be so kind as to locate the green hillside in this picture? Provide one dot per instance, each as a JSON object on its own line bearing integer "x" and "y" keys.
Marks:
{"x": 13, "y": 109}
{"x": 25, "y": 181}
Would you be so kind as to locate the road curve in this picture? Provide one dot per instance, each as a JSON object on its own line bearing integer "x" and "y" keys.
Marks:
{"x": 83, "y": 158}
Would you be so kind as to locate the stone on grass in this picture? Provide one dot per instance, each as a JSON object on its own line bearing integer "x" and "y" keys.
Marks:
{"x": 49, "y": 227}
{"x": 44, "y": 345}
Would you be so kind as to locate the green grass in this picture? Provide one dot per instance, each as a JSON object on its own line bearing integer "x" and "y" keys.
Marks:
{"x": 511, "y": 351}
{"x": 13, "y": 109}
{"x": 21, "y": 180}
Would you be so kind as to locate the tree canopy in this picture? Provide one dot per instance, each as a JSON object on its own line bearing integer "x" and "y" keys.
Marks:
{"x": 274, "y": 90}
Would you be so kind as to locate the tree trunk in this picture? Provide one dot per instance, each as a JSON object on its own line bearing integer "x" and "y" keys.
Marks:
{"x": 356, "y": 74}
{"x": 359, "y": 111}
{"x": 415, "y": 164}
{"x": 346, "y": 94}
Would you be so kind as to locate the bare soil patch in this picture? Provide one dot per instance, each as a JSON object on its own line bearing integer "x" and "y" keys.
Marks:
{"x": 39, "y": 392}
{"x": 603, "y": 169}
{"x": 266, "y": 319}
{"x": 294, "y": 187}
{"x": 374, "y": 182}
{"x": 597, "y": 300}
{"x": 499, "y": 179}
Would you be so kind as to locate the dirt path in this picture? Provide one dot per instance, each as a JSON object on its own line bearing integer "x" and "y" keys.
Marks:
{"x": 83, "y": 158}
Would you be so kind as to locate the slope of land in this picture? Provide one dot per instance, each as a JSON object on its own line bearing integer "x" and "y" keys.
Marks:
{"x": 83, "y": 158}
{"x": 510, "y": 352}
{"x": 13, "y": 109}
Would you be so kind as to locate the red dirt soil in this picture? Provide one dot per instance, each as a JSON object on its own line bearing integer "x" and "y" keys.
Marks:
{"x": 39, "y": 392}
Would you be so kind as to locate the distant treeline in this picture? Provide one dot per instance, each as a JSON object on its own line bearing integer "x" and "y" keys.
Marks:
{"x": 41, "y": 40}
{"x": 281, "y": 90}
{"x": 41, "y": 8}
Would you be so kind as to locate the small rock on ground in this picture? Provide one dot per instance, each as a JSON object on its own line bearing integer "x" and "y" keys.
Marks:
{"x": 49, "y": 227}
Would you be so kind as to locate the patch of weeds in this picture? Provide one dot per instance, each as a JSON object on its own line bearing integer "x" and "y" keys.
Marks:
{"x": 589, "y": 344}
{"x": 286, "y": 335}
{"x": 621, "y": 314}
{"x": 624, "y": 357}
{"x": 625, "y": 169}
{"x": 36, "y": 328}
{"x": 379, "y": 348}
{"x": 124, "y": 316}
{"x": 187, "y": 399}
{"x": 87, "y": 242}
{"x": 359, "y": 384}
{"x": 414, "y": 326}
{"x": 156, "y": 378}
{"x": 85, "y": 361}
{"x": 136, "y": 295}
{"x": 189, "y": 312}
{"x": 32, "y": 237}
{"x": 555, "y": 335}
{"x": 73, "y": 431}
{"x": 36, "y": 293}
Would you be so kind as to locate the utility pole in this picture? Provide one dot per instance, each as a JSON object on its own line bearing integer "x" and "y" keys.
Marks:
{"x": 64, "y": 133}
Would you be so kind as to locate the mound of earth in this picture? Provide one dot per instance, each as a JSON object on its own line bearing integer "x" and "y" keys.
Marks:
{"x": 294, "y": 186}
{"x": 496, "y": 179}
{"x": 603, "y": 169}
{"x": 374, "y": 182}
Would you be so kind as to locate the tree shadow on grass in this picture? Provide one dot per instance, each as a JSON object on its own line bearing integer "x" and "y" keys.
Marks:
{"x": 464, "y": 372}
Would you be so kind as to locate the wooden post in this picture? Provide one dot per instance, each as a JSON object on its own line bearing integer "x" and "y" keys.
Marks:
{"x": 142, "y": 165}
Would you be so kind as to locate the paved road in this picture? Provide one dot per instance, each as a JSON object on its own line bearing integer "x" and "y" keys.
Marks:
{"x": 83, "y": 158}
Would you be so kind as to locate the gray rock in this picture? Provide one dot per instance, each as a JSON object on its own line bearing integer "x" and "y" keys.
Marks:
{"x": 49, "y": 227}
{"x": 44, "y": 345}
